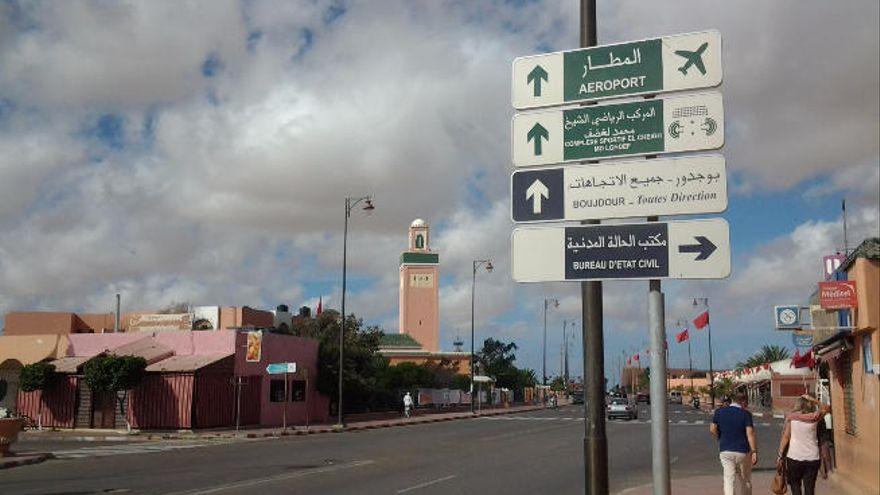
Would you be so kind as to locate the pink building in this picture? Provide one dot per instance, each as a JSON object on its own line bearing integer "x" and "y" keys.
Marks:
{"x": 195, "y": 379}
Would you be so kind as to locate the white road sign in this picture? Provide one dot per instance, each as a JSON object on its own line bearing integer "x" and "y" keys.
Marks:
{"x": 639, "y": 188}
{"x": 644, "y": 127}
{"x": 693, "y": 249}
{"x": 670, "y": 63}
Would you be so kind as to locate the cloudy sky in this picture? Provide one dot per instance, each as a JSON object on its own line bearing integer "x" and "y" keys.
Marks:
{"x": 202, "y": 151}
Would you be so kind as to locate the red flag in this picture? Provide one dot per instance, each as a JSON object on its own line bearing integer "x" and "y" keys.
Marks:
{"x": 702, "y": 320}
{"x": 682, "y": 337}
{"x": 636, "y": 357}
{"x": 795, "y": 358}
{"x": 804, "y": 361}
{"x": 320, "y": 306}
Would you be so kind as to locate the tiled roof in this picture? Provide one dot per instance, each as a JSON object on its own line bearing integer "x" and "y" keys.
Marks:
{"x": 187, "y": 363}
{"x": 398, "y": 340}
{"x": 869, "y": 248}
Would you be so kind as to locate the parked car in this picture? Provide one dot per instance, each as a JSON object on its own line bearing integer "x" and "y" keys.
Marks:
{"x": 675, "y": 397}
{"x": 621, "y": 408}
{"x": 577, "y": 397}
{"x": 643, "y": 397}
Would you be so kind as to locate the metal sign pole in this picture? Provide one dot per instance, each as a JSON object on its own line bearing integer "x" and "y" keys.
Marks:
{"x": 659, "y": 404}
{"x": 284, "y": 412}
{"x": 595, "y": 441}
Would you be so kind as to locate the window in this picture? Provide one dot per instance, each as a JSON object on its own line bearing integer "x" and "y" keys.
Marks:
{"x": 297, "y": 390}
{"x": 867, "y": 357}
{"x": 276, "y": 391}
{"x": 849, "y": 407}
{"x": 420, "y": 241}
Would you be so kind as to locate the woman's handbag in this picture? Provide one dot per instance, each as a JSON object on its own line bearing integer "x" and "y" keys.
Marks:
{"x": 779, "y": 485}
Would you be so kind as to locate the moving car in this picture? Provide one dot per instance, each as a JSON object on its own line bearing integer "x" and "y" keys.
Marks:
{"x": 621, "y": 408}
{"x": 675, "y": 397}
{"x": 577, "y": 397}
{"x": 643, "y": 397}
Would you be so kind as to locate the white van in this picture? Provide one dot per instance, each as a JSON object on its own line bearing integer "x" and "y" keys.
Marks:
{"x": 675, "y": 397}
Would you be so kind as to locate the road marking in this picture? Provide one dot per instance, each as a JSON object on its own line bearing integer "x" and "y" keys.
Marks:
{"x": 110, "y": 450}
{"x": 427, "y": 483}
{"x": 272, "y": 479}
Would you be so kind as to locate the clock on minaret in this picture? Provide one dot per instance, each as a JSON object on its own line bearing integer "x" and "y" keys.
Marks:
{"x": 419, "y": 292}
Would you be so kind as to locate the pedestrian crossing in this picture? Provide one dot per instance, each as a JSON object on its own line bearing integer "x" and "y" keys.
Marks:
{"x": 130, "y": 448}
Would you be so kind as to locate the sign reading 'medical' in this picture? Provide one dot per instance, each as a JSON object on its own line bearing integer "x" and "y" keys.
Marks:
{"x": 695, "y": 249}
{"x": 664, "y": 186}
{"x": 668, "y": 125}
{"x": 671, "y": 63}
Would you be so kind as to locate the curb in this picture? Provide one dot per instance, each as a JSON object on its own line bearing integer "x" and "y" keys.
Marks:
{"x": 25, "y": 460}
{"x": 144, "y": 436}
{"x": 82, "y": 438}
{"x": 354, "y": 428}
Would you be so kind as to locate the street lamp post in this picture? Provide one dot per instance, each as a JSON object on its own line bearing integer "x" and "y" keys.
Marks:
{"x": 349, "y": 204}
{"x": 705, "y": 302}
{"x": 477, "y": 264}
{"x": 547, "y": 302}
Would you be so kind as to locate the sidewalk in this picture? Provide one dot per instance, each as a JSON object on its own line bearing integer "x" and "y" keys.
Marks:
{"x": 86, "y": 435}
{"x": 761, "y": 480}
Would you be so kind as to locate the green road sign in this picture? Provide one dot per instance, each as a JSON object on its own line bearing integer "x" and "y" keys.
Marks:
{"x": 280, "y": 368}
{"x": 671, "y": 63}
{"x": 648, "y": 127}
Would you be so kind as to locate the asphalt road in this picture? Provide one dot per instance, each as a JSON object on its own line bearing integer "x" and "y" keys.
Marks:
{"x": 526, "y": 453}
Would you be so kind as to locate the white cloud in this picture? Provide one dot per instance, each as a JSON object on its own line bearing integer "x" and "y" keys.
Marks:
{"x": 229, "y": 189}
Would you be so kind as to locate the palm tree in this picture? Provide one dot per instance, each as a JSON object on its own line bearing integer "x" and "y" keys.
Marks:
{"x": 767, "y": 354}
{"x": 773, "y": 353}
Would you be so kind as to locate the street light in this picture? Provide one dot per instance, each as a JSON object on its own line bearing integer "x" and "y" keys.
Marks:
{"x": 350, "y": 203}
{"x": 704, "y": 301}
{"x": 565, "y": 343}
{"x": 547, "y": 301}
{"x": 477, "y": 264}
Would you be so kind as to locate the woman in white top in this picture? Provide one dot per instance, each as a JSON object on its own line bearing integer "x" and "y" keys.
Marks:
{"x": 802, "y": 460}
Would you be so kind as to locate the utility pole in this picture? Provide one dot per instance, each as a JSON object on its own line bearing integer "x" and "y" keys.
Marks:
{"x": 595, "y": 441}
{"x": 116, "y": 324}
{"x": 544, "y": 356}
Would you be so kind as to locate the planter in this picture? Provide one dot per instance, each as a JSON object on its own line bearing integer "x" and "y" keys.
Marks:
{"x": 9, "y": 428}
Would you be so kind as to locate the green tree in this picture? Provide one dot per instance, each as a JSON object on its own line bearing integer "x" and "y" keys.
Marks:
{"x": 114, "y": 374}
{"x": 38, "y": 376}
{"x": 461, "y": 382}
{"x": 767, "y": 354}
{"x": 557, "y": 383}
{"x": 363, "y": 366}
{"x": 408, "y": 376}
{"x": 496, "y": 359}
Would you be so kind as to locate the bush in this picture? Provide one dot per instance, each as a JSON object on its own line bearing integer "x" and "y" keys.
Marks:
{"x": 37, "y": 376}
{"x": 114, "y": 373}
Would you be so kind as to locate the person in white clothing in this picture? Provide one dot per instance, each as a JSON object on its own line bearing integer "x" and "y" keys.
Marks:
{"x": 800, "y": 439}
{"x": 407, "y": 404}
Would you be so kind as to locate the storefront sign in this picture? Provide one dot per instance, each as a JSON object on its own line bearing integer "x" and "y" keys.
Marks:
{"x": 838, "y": 294}
{"x": 160, "y": 322}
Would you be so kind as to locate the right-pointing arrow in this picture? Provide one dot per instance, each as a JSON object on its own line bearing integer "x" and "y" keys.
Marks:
{"x": 535, "y": 192}
{"x": 705, "y": 248}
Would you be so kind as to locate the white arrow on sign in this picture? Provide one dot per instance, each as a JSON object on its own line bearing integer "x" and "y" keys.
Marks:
{"x": 535, "y": 192}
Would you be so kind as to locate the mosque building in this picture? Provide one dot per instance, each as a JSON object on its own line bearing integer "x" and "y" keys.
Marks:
{"x": 418, "y": 339}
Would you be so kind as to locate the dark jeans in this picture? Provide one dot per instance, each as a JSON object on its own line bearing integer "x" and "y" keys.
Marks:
{"x": 802, "y": 472}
